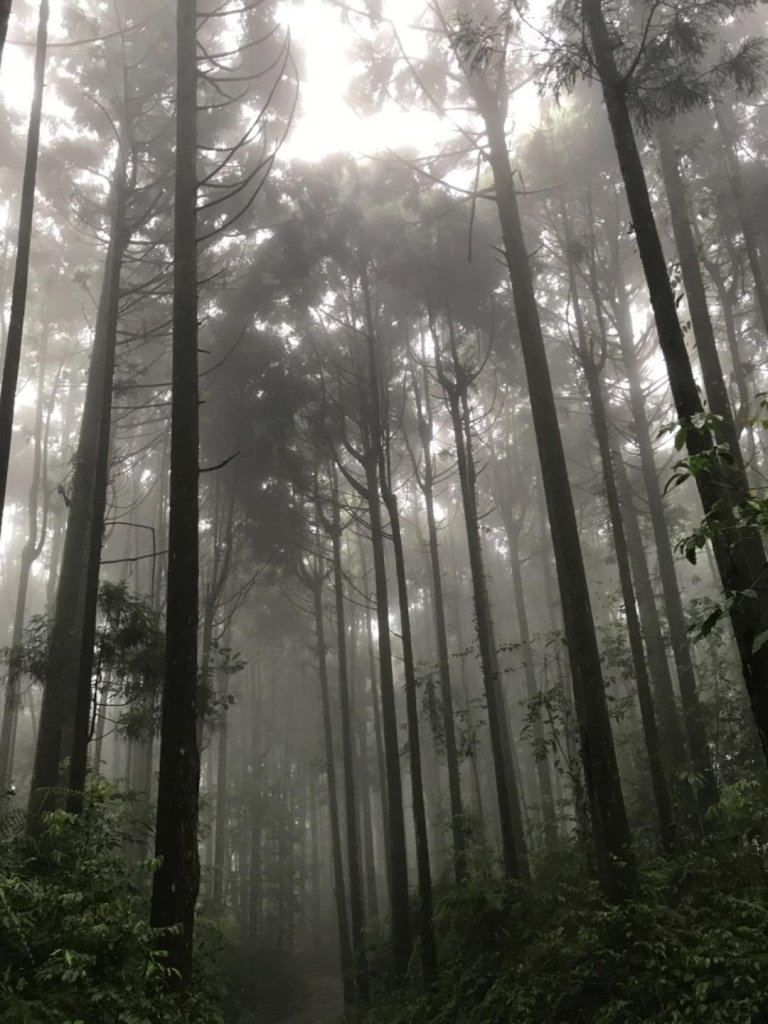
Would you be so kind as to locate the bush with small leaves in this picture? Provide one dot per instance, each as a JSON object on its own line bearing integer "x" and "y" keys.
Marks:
{"x": 75, "y": 945}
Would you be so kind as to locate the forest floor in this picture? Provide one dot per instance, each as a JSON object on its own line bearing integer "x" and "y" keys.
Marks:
{"x": 324, "y": 1005}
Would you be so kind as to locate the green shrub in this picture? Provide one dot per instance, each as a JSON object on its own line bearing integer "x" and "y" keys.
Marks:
{"x": 75, "y": 946}
{"x": 690, "y": 948}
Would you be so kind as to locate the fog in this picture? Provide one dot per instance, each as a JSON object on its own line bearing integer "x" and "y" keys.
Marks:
{"x": 383, "y": 468}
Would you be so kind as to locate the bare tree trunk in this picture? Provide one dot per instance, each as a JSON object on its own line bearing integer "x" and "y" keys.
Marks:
{"x": 703, "y": 332}
{"x": 426, "y": 482}
{"x": 65, "y": 712}
{"x": 659, "y": 783}
{"x": 382, "y": 473}
{"x": 728, "y": 133}
{"x": 5, "y": 14}
{"x": 606, "y": 800}
{"x": 693, "y": 717}
{"x": 357, "y": 912}
{"x": 722, "y": 487}
{"x": 177, "y": 880}
{"x": 345, "y": 946}
{"x": 23, "y": 246}
{"x": 36, "y": 534}
{"x": 221, "y": 836}
{"x": 514, "y": 851}
{"x": 543, "y": 776}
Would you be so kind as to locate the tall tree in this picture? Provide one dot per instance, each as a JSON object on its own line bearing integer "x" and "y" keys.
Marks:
{"x": 481, "y": 50}
{"x": 23, "y": 249}
{"x": 722, "y": 485}
{"x": 65, "y": 713}
{"x": 176, "y": 881}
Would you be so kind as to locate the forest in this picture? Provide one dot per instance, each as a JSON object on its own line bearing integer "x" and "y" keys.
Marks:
{"x": 384, "y": 508}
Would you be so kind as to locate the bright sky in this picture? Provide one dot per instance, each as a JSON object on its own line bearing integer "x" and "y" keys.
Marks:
{"x": 326, "y": 123}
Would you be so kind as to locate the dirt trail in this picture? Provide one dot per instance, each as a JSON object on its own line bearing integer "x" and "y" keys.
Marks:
{"x": 323, "y": 1007}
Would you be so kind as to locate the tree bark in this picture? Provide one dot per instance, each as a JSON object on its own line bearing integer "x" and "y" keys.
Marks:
{"x": 514, "y": 850}
{"x": 23, "y": 247}
{"x": 36, "y": 533}
{"x": 543, "y": 776}
{"x": 738, "y": 549}
{"x": 65, "y": 712}
{"x": 693, "y": 282}
{"x": 606, "y": 800}
{"x": 5, "y": 14}
{"x": 177, "y": 879}
{"x": 426, "y": 483}
{"x": 728, "y": 133}
{"x": 222, "y": 803}
{"x": 693, "y": 717}
{"x": 345, "y": 945}
{"x": 591, "y": 370}
{"x": 356, "y": 908}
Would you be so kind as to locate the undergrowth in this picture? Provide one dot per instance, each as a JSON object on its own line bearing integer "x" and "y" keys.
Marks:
{"x": 75, "y": 945}
{"x": 691, "y": 947}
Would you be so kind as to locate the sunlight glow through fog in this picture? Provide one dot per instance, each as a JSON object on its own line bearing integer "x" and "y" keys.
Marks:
{"x": 327, "y": 123}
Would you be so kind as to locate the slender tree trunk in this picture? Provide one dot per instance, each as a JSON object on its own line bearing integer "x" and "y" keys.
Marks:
{"x": 177, "y": 880}
{"x": 377, "y": 729}
{"x": 659, "y": 784}
{"x": 345, "y": 946}
{"x": 398, "y": 865}
{"x": 728, "y": 133}
{"x": 221, "y": 831}
{"x": 606, "y": 800}
{"x": 356, "y": 908}
{"x": 424, "y": 872}
{"x": 693, "y": 716}
{"x": 65, "y": 712}
{"x": 5, "y": 14}
{"x": 441, "y": 635}
{"x": 672, "y": 739}
{"x": 23, "y": 246}
{"x": 693, "y": 282}
{"x": 369, "y": 854}
{"x": 514, "y": 851}
{"x": 543, "y": 776}
{"x": 738, "y": 549}
{"x": 30, "y": 552}
{"x": 381, "y": 478}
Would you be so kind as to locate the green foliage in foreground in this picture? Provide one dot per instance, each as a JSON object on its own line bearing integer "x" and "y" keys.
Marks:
{"x": 692, "y": 947}
{"x": 75, "y": 946}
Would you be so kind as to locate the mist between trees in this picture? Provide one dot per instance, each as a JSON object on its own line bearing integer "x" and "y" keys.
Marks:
{"x": 383, "y": 536}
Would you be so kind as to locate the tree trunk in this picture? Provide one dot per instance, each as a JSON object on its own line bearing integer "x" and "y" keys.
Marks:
{"x": 591, "y": 370}
{"x": 177, "y": 879}
{"x": 398, "y": 865}
{"x": 31, "y": 551}
{"x": 65, "y": 712}
{"x": 514, "y": 851}
{"x": 738, "y": 549}
{"x": 377, "y": 729}
{"x": 728, "y": 132}
{"x": 703, "y": 332}
{"x": 606, "y": 800}
{"x": 426, "y": 482}
{"x": 543, "y": 776}
{"x": 5, "y": 14}
{"x": 356, "y": 909}
{"x": 345, "y": 946}
{"x": 693, "y": 718}
{"x": 424, "y": 872}
{"x": 221, "y": 830}
{"x": 23, "y": 246}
